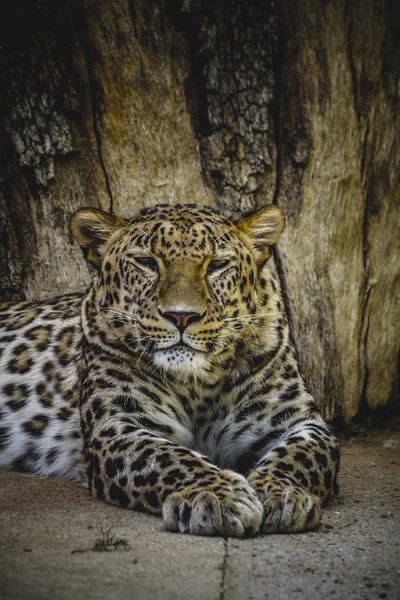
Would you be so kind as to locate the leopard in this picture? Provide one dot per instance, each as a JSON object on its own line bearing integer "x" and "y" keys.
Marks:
{"x": 172, "y": 385}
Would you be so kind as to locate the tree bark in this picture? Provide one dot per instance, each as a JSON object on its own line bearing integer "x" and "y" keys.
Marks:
{"x": 129, "y": 103}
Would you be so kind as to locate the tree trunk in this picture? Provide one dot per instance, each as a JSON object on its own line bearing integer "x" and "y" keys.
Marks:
{"x": 128, "y": 103}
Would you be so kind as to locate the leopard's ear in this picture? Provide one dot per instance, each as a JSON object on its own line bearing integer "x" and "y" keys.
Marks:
{"x": 91, "y": 228}
{"x": 263, "y": 228}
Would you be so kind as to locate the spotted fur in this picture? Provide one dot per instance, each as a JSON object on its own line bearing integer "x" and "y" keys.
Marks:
{"x": 171, "y": 386}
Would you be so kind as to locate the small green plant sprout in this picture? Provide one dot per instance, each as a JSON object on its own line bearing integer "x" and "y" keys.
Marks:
{"x": 109, "y": 542}
{"x": 106, "y": 542}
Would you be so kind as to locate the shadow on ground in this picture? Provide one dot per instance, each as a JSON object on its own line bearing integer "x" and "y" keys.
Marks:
{"x": 46, "y": 524}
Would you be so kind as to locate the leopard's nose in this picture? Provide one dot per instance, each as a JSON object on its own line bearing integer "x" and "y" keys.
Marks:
{"x": 181, "y": 319}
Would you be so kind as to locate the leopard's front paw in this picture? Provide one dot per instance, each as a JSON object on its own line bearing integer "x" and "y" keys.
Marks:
{"x": 227, "y": 506}
{"x": 290, "y": 509}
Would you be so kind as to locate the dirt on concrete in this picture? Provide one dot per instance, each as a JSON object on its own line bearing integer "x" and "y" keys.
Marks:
{"x": 48, "y": 528}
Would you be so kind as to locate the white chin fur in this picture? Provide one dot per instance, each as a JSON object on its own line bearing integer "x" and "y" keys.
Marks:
{"x": 181, "y": 360}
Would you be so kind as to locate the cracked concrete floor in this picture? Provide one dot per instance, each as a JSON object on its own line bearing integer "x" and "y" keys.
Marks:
{"x": 354, "y": 555}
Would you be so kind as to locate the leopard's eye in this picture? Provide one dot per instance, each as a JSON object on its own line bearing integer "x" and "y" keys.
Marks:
{"x": 217, "y": 265}
{"x": 148, "y": 262}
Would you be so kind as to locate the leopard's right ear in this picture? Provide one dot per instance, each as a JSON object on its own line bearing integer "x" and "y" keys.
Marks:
{"x": 91, "y": 228}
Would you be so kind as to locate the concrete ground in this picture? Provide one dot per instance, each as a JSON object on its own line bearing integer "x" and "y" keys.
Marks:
{"x": 48, "y": 527}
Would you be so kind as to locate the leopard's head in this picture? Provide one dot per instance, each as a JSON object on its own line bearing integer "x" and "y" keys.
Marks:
{"x": 175, "y": 283}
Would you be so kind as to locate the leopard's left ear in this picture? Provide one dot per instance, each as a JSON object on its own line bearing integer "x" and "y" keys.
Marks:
{"x": 264, "y": 228}
{"x": 91, "y": 228}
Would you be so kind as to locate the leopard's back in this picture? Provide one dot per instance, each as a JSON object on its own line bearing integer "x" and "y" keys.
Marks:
{"x": 40, "y": 368}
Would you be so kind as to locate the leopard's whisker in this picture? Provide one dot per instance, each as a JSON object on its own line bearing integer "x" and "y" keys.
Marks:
{"x": 135, "y": 226}
{"x": 253, "y": 316}
{"x": 118, "y": 312}
{"x": 223, "y": 233}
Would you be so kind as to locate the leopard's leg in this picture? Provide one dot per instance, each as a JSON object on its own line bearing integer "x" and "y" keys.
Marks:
{"x": 133, "y": 467}
{"x": 295, "y": 476}
{"x": 288, "y": 454}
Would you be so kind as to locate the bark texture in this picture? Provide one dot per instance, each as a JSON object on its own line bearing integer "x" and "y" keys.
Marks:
{"x": 129, "y": 103}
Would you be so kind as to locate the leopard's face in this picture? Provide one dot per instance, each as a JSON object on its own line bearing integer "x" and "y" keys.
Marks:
{"x": 176, "y": 285}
